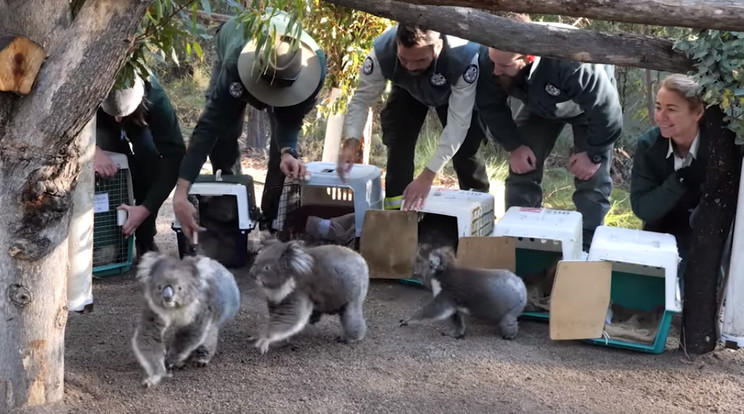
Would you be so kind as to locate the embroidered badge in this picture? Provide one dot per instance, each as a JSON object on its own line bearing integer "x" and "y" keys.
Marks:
{"x": 552, "y": 90}
{"x": 471, "y": 74}
{"x": 236, "y": 89}
{"x": 437, "y": 79}
{"x": 368, "y": 66}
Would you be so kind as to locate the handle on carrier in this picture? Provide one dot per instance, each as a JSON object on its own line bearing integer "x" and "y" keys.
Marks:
{"x": 121, "y": 217}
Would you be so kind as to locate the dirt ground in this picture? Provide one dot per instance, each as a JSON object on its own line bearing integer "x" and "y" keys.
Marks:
{"x": 393, "y": 370}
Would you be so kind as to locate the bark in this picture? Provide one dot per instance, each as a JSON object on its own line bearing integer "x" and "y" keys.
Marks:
{"x": 715, "y": 215}
{"x": 703, "y": 14}
{"x": 257, "y": 130}
{"x": 531, "y": 38}
{"x": 38, "y": 170}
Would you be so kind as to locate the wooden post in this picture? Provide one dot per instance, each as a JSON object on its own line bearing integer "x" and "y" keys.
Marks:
{"x": 20, "y": 61}
{"x": 710, "y": 231}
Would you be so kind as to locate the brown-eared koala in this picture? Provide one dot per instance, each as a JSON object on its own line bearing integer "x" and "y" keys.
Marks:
{"x": 195, "y": 296}
{"x": 302, "y": 283}
{"x": 496, "y": 295}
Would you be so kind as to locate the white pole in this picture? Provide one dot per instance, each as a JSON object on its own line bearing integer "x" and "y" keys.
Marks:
{"x": 80, "y": 239}
{"x": 732, "y": 335}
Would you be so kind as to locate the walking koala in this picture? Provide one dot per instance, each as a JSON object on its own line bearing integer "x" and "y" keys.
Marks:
{"x": 496, "y": 295}
{"x": 302, "y": 283}
{"x": 196, "y": 296}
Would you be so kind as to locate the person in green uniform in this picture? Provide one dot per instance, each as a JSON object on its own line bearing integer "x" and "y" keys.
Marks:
{"x": 670, "y": 162}
{"x": 140, "y": 122}
{"x": 554, "y": 93}
{"x": 287, "y": 90}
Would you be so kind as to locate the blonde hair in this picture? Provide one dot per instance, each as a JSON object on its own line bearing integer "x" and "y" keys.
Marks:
{"x": 685, "y": 86}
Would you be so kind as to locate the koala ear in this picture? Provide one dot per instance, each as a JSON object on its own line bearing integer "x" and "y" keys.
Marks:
{"x": 148, "y": 261}
{"x": 296, "y": 258}
{"x": 440, "y": 258}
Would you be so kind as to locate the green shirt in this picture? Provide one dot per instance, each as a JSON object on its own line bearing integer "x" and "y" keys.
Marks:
{"x": 162, "y": 132}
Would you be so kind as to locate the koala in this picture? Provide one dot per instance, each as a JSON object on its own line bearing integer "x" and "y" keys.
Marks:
{"x": 496, "y": 295}
{"x": 195, "y": 296}
{"x": 302, "y": 283}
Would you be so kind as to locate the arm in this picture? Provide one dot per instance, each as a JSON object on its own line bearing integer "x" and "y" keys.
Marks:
{"x": 591, "y": 88}
{"x": 459, "y": 114}
{"x": 168, "y": 140}
{"x": 371, "y": 85}
{"x": 651, "y": 197}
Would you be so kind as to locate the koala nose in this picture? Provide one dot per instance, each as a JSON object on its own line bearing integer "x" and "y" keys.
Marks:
{"x": 168, "y": 293}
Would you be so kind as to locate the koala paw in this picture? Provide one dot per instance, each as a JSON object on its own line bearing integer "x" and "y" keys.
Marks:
{"x": 152, "y": 381}
{"x": 263, "y": 345}
{"x": 454, "y": 335}
{"x": 201, "y": 363}
{"x": 342, "y": 340}
{"x": 508, "y": 337}
{"x": 403, "y": 323}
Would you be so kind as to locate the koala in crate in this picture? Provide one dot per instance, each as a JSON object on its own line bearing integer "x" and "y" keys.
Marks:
{"x": 302, "y": 283}
{"x": 195, "y": 297}
{"x": 495, "y": 295}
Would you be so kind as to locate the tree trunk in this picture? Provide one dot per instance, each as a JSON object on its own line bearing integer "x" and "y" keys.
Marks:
{"x": 257, "y": 130}
{"x": 532, "y": 38}
{"x": 710, "y": 230}
{"x": 650, "y": 99}
{"x": 703, "y": 14}
{"x": 38, "y": 171}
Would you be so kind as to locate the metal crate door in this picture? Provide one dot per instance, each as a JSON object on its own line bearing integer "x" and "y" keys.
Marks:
{"x": 112, "y": 253}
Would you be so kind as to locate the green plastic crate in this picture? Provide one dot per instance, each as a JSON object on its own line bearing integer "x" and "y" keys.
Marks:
{"x": 112, "y": 252}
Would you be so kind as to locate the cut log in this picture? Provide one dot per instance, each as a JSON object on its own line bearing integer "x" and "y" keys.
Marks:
{"x": 707, "y": 14}
{"x": 20, "y": 61}
{"x": 533, "y": 38}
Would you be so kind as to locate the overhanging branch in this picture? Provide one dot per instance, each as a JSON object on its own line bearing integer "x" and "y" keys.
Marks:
{"x": 702, "y": 14}
{"x": 532, "y": 38}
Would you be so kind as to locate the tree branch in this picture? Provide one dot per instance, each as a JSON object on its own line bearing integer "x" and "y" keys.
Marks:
{"x": 532, "y": 38}
{"x": 708, "y": 14}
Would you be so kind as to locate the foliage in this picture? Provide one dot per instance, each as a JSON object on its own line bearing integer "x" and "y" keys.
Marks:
{"x": 169, "y": 28}
{"x": 719, "y": 59}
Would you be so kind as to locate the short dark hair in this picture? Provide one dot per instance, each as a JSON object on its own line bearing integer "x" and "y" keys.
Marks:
{"x": 415, "y": 35}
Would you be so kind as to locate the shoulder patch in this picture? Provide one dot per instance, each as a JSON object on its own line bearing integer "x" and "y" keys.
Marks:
{"x": 368, "y": 67}
{"x": 236, "y": 89}
{"x": 552, "y": 90}
{"x": 471, "y": 74}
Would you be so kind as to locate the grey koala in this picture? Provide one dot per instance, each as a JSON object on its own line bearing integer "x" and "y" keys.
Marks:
{"x": 302, "y": 283}
{"x": 196, "y": 296}
{"x": 496, "y": 295}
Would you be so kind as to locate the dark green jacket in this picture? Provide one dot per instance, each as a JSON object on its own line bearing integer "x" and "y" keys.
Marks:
{"x": 223, "y": 111}
{"x": 557, "y": 90}
{"x": 161, "y": 138}
{"x": 655, "y": 190}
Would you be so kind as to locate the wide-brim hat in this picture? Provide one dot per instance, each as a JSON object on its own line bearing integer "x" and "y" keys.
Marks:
{"x": 272, "y": 91}
{"x": 122, "y": 102}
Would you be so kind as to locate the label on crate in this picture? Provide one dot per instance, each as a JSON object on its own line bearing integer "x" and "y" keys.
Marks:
{"x": 100, "y": 203}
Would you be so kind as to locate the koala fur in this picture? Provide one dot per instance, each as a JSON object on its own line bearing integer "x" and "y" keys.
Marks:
{"x": 496, "y": 295}
{"x": 302, "y": 283}
{"x": 196, "y": 296}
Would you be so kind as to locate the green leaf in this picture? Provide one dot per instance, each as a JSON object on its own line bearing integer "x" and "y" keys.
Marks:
{"x": 198, "y": 50}
{"x": 206, "y": 7}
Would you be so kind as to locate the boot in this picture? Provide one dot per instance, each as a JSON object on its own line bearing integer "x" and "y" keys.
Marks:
{"x": 144, "y": 246}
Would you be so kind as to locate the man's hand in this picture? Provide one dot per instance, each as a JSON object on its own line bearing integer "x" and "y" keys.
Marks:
{"x": 346, "y": 158}
{"x": 104, "y": 166}
{"x": 582, "y": 167}
{"x": 185, "y": 211}
{"x": 292, "y": 167}
{"x": 415, "y": 193}
{"x": 522, "y": 160}
{"x": 135, "y": 216}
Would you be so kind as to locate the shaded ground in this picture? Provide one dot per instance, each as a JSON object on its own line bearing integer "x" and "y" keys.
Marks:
{"x": 393, "y": 370}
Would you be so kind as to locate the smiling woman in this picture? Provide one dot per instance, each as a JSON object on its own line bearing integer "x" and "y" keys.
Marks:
{"x": 670, "y": 162}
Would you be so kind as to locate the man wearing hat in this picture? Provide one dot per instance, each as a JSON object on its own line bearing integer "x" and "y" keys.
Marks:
{"x": 427, "y": 70}
{"x": 287, "y": 90}
{"x": 554, "y": 93}
{"x": 139, "y": 121}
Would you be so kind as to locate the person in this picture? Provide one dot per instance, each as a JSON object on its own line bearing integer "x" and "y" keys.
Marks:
{"x": 553, "y": 93}
{"x": 426, "y": 70}
{"x": 286, "y": 89}
{"x": 669, "y": 164}
{"x": 140, "y": 121}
